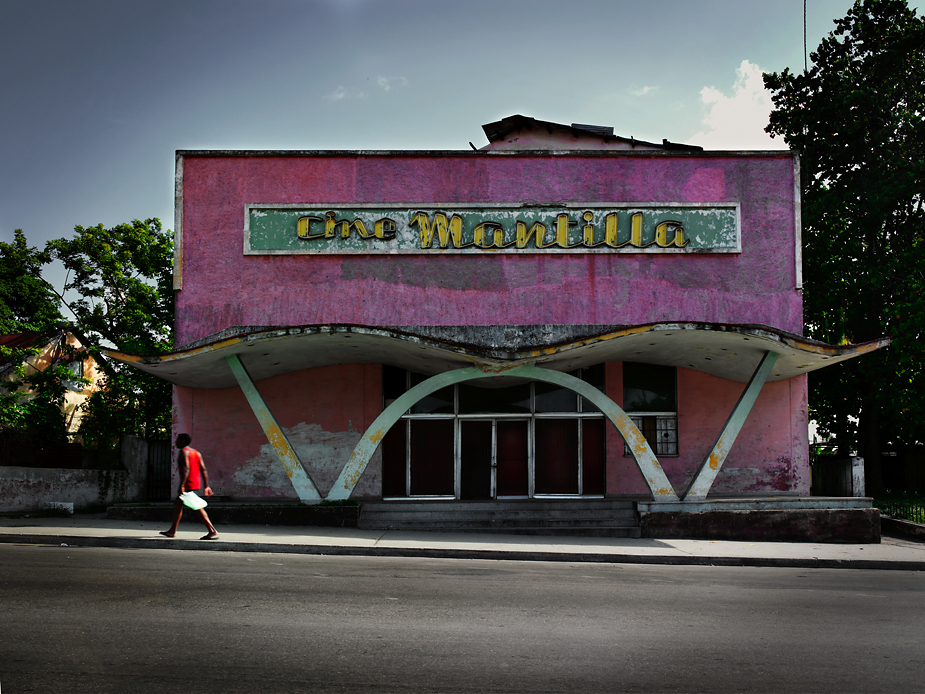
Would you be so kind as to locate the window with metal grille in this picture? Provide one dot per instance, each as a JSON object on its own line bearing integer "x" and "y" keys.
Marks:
{"x": 661, "y": 432}
{"x": 650, "y": 399}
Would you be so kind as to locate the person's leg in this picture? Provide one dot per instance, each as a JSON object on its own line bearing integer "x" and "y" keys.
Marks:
{"x": 204, "y": 517}
{"x": 177, "y": 515}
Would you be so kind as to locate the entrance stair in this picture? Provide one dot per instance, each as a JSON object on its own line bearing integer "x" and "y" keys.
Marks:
{"x": 585, "y": 517}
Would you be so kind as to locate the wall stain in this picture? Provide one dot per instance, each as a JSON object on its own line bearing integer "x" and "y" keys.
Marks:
{"x": 323, "y": 454}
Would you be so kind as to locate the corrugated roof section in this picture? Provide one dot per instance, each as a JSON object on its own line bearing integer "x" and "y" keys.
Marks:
{"x": 21, "y": 340}
{"x": 602, "y": 130}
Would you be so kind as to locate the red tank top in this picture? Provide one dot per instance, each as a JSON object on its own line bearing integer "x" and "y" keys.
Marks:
{"x": 194, "y": 481}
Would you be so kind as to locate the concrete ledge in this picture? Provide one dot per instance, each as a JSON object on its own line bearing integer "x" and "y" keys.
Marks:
{"x": 898, "y": 527}
{"x": 26, "y": 489}
{"x": 852, "y": 526}
{"x": 776, "y": 503}
{"x": 245, "y": 514}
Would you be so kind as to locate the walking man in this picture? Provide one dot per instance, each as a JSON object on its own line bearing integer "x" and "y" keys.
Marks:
{"x": 193, "y": 478}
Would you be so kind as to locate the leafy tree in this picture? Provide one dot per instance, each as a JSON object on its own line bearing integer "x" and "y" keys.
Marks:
{"x": 123, "y": 277}
{"x": 858, "y": 117}
{"x": 27, "y": 303}
{"x": 30, "y": 403}
{"x": 31, "y": 406}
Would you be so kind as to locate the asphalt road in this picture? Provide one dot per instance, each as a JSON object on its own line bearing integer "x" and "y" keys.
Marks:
{"x": 116, "y": 620}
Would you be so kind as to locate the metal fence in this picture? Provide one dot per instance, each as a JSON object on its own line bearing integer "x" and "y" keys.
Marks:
{"x": 911, "y": 510}
{"x": 158, "y": 470}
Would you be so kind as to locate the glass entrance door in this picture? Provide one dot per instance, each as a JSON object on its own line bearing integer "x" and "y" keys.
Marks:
{"x": 513, "y": 458}
{"x": 493, "y": 458}
{"x": 476, "y": 454}
{"x": 478, "y": 442}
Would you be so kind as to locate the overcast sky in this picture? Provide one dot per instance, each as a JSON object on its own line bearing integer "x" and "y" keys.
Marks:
{"x": 98, "y": 95}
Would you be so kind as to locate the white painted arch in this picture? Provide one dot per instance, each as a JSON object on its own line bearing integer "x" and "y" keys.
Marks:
{"x": 648, "y": 464}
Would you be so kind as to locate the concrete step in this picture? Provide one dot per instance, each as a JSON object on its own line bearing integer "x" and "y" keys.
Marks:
{"x": 505, "y": 505}
{"x": 581, "y": 531}
{"x": 592, "y": 517}
{"x": 462, "y": 521}
{"x": 449, "y": 512}
{"x": 600, "y": 504}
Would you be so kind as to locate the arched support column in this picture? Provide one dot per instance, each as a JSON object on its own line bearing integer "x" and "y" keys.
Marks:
{"x": 712, "y": 464}
{"x": 301, "y": 482}
{"x": 655, "y": 477}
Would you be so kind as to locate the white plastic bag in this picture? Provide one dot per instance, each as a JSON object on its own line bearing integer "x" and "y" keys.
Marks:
{"x": 191, "y": 500}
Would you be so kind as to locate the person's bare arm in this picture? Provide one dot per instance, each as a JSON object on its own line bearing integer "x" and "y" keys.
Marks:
{"x": 207, "y": 490}
{"x": 183, "y": 464}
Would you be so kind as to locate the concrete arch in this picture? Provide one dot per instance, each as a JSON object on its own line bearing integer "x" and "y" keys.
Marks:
{"x": 655, "y": 477}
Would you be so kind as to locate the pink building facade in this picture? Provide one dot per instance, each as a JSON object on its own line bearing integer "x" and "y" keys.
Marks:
{"x": 401, "y": 325}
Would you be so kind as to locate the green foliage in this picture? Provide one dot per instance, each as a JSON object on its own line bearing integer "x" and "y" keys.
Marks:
{"x": 26, "y": 301}
{"x": 30, "y": 412}
{"x": 858, "y": 117}
{"x": 31, "y": 401}
{"x": 128, "y": 403}
{"x": 124, "y": 279}
{"x": 906, "y": 505}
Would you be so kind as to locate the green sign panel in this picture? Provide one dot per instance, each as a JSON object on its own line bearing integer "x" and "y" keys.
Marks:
{"x": 436, "y": 228}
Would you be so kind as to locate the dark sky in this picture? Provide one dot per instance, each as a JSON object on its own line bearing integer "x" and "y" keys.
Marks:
{"x": 98, "y": 94}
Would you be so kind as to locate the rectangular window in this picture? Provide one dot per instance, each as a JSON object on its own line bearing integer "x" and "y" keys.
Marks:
{"x": 556, "y": 456}
{"x": 431, "y": 457}
{"x": 486, "y": 440}
{"x": 76, "y": 368}
{"x": 660, "y": 431}
{"x": 650, "y": 397}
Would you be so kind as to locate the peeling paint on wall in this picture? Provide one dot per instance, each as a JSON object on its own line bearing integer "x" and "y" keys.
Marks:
{"x": 26, "y": 488}
{"x": 323, "y": 454}
{"x": 755, "y": 286}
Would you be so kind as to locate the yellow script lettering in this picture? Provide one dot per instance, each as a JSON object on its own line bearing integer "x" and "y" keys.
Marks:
{"x": 446, "y": 230}
{"x": 562, "y": 228}
{"x": 303, "y": 228}
{"x": 664, "y": 229}
{"x": 537, "y": 231}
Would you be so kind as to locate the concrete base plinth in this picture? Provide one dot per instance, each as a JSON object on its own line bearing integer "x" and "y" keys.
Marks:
{"x": 852, "y": 526}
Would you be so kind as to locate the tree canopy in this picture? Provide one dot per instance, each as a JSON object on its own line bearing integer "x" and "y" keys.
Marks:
{"x": 858, "y": 118}
{"x": 119, "y": 293}
{"x": 123, "y": 278}
{"x": 27, "y": 303}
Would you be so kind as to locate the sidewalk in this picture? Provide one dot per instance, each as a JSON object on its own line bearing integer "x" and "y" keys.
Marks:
{"x": 97, "y": 531}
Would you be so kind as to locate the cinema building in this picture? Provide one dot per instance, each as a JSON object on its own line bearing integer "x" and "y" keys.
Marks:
{"x": 561, "y": 320}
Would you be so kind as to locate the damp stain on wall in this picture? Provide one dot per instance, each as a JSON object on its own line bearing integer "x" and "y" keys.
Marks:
{"x": 322, "y": 453}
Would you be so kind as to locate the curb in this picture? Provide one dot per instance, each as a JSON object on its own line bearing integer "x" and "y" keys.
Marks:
{"x": 451, "y": 553}
{"x": 899, "y": 527}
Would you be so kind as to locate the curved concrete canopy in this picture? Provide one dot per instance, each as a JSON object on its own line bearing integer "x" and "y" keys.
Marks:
{"x": 728, "y": 351}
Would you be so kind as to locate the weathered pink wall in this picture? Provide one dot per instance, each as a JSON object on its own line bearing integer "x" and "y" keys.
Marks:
{"x": 222, "y": 287}
{"x": 769, "y": 455}
{"x": 323, "y": 411}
